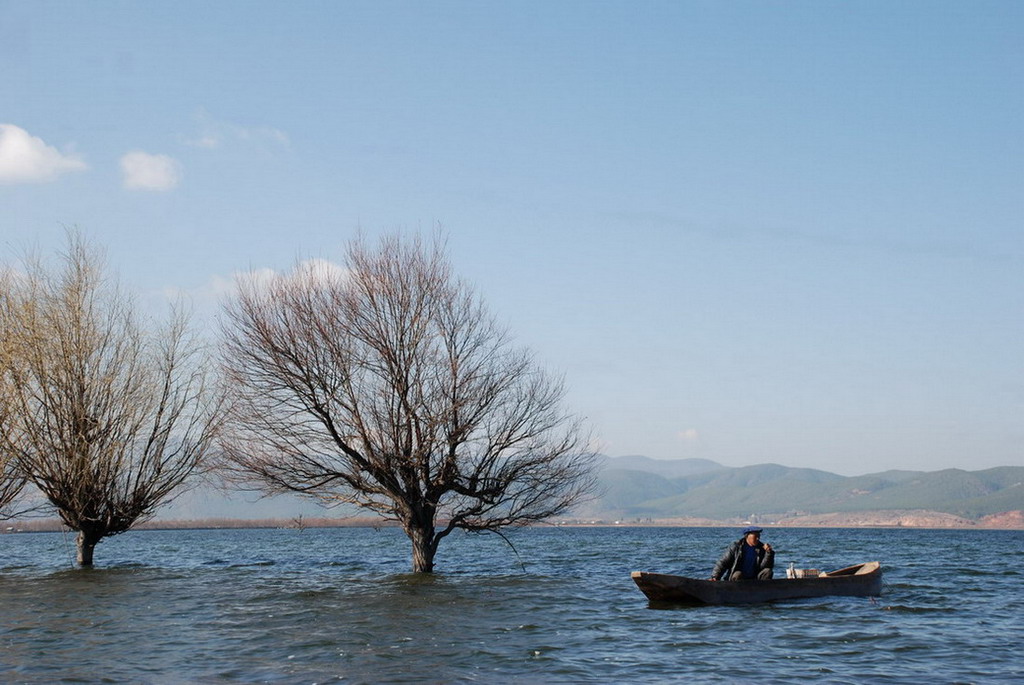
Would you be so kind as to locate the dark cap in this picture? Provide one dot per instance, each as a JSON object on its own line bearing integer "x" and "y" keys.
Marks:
{"x": 752, "y": 529}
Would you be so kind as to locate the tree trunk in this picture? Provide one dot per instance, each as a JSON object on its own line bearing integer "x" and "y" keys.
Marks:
{"x": 423, "y": 548}
{"x": 86, "y": 545}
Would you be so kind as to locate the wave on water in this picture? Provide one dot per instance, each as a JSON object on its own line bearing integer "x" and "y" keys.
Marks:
{"x": 266, "y": 605}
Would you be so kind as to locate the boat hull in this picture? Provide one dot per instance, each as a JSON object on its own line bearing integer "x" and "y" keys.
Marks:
{"x": 863, "y": 580}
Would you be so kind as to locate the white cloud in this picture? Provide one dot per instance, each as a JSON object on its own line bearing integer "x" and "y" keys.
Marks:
{"x": 143, "y": 171}
{"x": 321, "y": 269}
{"x": 214, "y": 133}
{"x": 205, "y": 297}
{"x": 209, "y": 142}
{"x": 205, "y": 300}
{"x": 257, "y": 279}
{"x": 27, "y": 159}
{"x": 689, "y": 435}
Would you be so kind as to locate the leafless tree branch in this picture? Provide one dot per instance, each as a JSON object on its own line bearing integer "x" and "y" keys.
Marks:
{"x": 108, "y": 420}
{"x": 392, "y": 388}
{"x": 12, "y": 480}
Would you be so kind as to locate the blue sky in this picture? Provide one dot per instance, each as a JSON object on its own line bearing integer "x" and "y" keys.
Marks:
{"x": 748, "y": 231}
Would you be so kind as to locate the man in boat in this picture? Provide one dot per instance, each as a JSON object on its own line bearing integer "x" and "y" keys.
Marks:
{"x": 746, "y": 559}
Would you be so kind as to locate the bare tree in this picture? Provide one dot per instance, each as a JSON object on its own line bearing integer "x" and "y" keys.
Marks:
{"x": 12, "y": 480}
{"x": 390, "y": 387}
{"x": 107, "y": 420}
{"x": 11, "y": 484}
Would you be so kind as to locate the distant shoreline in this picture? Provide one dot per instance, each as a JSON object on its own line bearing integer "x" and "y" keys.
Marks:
{"x": 1010, "y": 520}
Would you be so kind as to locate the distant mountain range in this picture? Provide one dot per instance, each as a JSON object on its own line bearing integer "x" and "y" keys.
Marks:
{"x": 704, "y": 492}
{"x": 636, "y": 487}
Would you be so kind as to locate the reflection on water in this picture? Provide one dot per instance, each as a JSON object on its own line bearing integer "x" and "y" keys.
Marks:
{"x": 338, "y": 604}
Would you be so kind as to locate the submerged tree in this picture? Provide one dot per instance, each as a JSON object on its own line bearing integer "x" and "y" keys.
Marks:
{"x": 106, "y": 420}
{"x": 389, "y": 386}
{"x": 12, "y": 480}
{"x": 11, "y": 484}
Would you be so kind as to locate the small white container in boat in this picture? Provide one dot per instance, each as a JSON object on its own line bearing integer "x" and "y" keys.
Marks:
{"x": 802, "y": 572}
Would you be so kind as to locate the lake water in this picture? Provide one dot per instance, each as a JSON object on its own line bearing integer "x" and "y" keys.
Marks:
{"x": 326, "y": 605}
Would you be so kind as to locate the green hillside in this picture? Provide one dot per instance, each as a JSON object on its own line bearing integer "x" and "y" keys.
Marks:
{"x": 714, "y": 491}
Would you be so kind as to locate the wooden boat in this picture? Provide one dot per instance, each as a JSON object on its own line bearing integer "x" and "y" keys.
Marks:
{"x": 862, "y": 580}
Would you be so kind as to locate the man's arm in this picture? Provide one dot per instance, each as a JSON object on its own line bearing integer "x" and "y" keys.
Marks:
{"x": 769, "y": 557}
{"x": 724, "y": 563}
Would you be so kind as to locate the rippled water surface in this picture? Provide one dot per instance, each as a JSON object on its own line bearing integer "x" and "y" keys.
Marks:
{"x": 323, "y": 605}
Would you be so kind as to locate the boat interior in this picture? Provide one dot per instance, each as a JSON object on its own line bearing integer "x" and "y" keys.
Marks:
{"x": 858, "y": 570}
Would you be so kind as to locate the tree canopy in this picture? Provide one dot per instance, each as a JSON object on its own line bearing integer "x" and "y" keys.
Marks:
{"x": 108, "y": 419}
{"x": 388, "y": 385}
